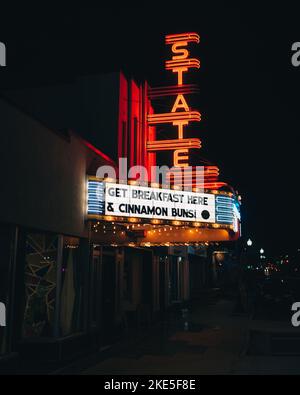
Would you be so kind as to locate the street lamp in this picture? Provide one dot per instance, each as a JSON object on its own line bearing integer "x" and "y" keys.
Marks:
{"x": 249, "y": 243}
{"x": 261, "y": 251}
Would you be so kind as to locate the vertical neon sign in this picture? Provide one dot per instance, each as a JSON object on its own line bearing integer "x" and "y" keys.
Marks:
{"x": 181, "y": 114}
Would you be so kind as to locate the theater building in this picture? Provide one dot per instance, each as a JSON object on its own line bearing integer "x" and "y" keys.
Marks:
{"x": 84, "y": 258}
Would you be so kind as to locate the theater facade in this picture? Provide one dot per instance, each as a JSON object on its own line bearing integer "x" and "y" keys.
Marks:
{"x": 92, "y": 246}
{"x": 182, "y": 204}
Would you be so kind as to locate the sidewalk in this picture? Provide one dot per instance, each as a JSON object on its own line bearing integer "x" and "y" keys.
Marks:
{"x": 212, "y": 345}
{"x": 216, "y": 342}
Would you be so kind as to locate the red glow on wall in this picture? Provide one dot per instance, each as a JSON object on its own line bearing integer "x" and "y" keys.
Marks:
{"x": 98, "y": 152}
{"x": 123, "y": 118}
{"x": 134, "y": 130}
{"x": 134, "y": 147}
{"x": 151, "y": 136}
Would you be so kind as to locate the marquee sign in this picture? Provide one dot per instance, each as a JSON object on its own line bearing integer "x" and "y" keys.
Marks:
{"x": 121, "y": 200}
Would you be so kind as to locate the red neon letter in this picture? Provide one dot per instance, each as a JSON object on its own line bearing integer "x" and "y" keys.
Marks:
{"x": 183, "y": 51}
{"x": 178, "y": 157}
{"x": 180, "y": 103}
{"x": 180, "y": 125}
{"x": 180, "y": 70}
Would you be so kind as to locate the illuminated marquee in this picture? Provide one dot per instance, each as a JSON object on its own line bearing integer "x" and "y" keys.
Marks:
{"x": 121, "y": 200}
{"x": 181, "y": 114}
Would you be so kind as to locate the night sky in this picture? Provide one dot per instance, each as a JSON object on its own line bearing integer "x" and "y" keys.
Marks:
{"x": 249, "y": 90}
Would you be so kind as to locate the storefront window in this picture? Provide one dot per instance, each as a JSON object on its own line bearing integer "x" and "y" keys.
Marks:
{"x": 40, "y": 285}
{"x": 50, "y": 265}
{"x": 72, "y": 287}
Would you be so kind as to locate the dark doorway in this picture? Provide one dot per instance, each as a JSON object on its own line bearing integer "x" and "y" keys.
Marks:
{"x": 108, "y": 295}
{"x": 163, "y": 283}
